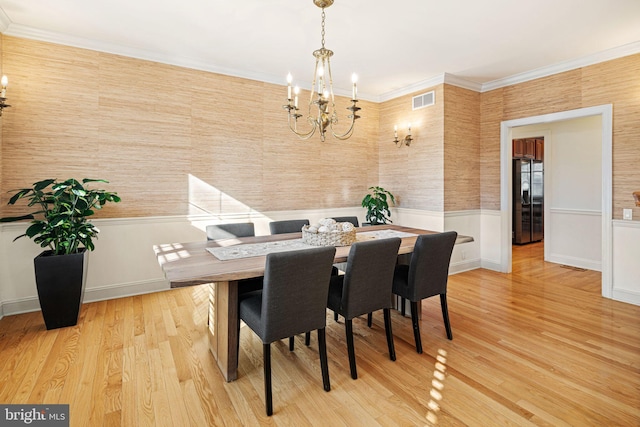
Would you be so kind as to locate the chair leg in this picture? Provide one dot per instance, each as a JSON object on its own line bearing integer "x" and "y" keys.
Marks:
{"x": 238, "y": 341}
{"x": 403, "y": 306}
{"x": 307, "y": 338}
{"x": 348, "y": 327}
{"x": 416, "y": 326}
{"x": 335, "y": 316}
{"x": 387, "y": 328}
{"x": 266, "y": 356}
{"x": 291, "y": 343}
{"x": 324, "y": 365}
{"x": 369, "y": 319}
{"x": 445, "y": 315}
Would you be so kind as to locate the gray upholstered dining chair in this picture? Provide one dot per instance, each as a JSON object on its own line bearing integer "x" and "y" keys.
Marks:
{"x": 352, "y": 219}
{"x": 231, "y": 230}
{"x": 365, "y": 287}
{"x": 293, "y": 301}
{"x": 287, "y": 226}
{"x": 426, "y": 275}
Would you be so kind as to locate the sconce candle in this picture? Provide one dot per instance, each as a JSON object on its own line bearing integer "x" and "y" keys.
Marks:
{"x": 354, "y": 80}
{"x": 406, "y": 140}
{"x": 289, "y": 79}
{"x": 4, "y": 83}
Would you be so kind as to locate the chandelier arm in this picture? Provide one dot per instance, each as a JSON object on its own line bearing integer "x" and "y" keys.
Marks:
{"x": 353, "y": 116}
{"x": 345, "y": 135}
{"x": 294, "y": 128}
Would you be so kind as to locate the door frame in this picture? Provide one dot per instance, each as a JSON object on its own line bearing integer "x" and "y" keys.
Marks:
{"x": 606, "y": 113}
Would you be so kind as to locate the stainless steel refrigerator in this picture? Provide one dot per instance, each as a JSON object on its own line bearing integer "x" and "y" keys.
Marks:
{"x": 528, "y": 201}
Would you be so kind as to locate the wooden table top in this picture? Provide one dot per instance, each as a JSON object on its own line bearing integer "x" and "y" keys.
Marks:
{"x": 186, "y": 264}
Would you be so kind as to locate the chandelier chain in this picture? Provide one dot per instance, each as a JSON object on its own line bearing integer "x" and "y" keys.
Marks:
{"x": 322, "y": 33}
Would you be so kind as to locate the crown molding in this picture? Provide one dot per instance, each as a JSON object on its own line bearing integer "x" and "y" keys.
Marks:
{"x": 5, "y": 22}
{"x": 26, "y": 32}
{"x": 429, "y": 83}
{"x": 421, "y": 85}
{"x": 116, "y": 49}
{"x": 561, "y": 67}
{"x": 11, "y": 29}
{"x": 463, "y": 83}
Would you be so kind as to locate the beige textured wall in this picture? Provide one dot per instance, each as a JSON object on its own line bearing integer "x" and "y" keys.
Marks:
{"x": 414, "y": 174}
{"x": 614, "y": 82}
{"x": 174, "y": 141}
{"x": 170, "y": 140}
{"x": 462, "y": 149}
{"x": 440, "y": 171}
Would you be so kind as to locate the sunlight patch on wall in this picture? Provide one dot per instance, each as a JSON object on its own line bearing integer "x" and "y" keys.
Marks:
{"x": 205, "y": 199}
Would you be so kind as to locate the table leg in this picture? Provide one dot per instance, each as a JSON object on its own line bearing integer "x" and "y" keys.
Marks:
{"x": 397, "y": 304}
{"x": 223, "y": 327}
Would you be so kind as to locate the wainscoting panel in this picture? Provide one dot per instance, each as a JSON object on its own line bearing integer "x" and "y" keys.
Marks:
{"x": 626, "y": 268}
{"x": 123, "y": 262}
{"x": 574, "y": 237}
{"x": 465, "y": 256}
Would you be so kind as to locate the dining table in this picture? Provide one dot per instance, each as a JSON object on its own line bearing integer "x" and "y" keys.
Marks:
{"x": 223, "y": 264}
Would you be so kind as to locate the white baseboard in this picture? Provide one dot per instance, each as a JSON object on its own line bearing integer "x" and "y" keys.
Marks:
{"x": 626, "y": 296}
{"x": 575, "y": 262}
{"x": 466, "y": 265}
{"x": 125, "y": 290}
{"x": 26, "y": 305}
{"x": 18, "y": 306}
{"x": 491, "y": 265}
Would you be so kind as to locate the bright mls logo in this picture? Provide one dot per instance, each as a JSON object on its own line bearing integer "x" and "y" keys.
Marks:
{"x": 34, "y": 415}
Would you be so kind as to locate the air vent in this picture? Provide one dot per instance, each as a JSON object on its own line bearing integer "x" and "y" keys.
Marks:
{"x": 424, "y": 100}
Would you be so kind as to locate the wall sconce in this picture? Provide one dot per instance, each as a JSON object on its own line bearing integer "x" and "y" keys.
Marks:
{"x": 3, "y": 94}
{"x": 407, "y": 139}
{"x": 636, "y": 196}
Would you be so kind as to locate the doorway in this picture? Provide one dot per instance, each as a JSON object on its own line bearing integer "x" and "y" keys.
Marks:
{"x": 528, "y": 190}
{"x": 506, "y": 135}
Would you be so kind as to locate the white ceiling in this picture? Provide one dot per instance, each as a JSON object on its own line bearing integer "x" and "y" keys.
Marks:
{"x": 392, "y": 45}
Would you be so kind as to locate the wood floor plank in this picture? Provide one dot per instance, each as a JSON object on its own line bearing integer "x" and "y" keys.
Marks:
{"x": 539, "y": 346}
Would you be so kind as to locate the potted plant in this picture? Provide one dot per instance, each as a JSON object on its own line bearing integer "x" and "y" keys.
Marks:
{"x": 60, "y": 224}
{"x": 377, "y": 204}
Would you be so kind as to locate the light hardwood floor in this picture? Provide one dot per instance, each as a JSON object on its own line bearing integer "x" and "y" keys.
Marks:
{"x": 539, "y": 346}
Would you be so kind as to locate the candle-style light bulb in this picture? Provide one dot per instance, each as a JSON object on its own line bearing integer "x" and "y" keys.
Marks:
{"x": 395, "y": 131}
{"x": 409, "y": 126}
{"x": 296, "y": 91}
{"x": 4, "y": 81}
{"x": 354, "y": 92}
{"x": 289, "y": 80}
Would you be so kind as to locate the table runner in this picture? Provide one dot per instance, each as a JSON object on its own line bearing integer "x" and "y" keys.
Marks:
{"x": 226, "y": 253}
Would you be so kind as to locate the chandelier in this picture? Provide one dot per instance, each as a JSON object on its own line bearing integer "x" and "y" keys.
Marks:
{"x": 321, "y": 114}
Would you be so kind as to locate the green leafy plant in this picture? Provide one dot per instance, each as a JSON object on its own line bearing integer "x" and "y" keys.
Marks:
{"x": 61, "y": 223}
{"x": 377, "y": 204}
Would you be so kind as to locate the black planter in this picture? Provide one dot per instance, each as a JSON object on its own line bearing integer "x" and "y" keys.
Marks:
{"x": 60, "y": 283}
